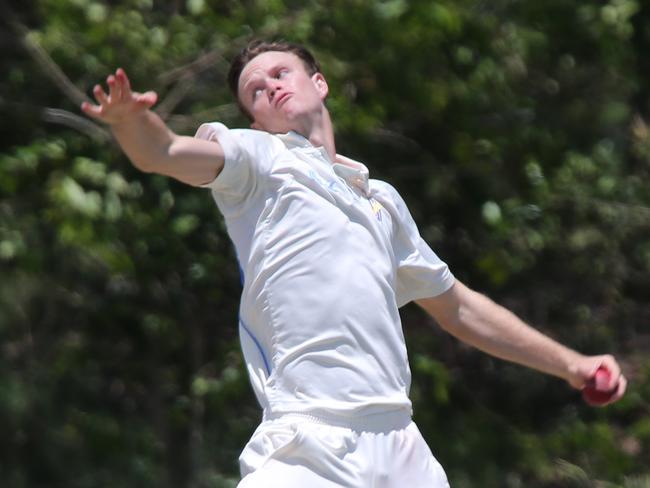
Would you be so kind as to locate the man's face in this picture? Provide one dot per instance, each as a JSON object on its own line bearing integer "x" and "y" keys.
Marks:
{"x": 278, "y": 92}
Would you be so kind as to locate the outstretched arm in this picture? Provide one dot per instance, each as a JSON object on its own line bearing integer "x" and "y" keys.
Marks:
{"x": 475, "y": 319}
{"x": 147, "y": 141}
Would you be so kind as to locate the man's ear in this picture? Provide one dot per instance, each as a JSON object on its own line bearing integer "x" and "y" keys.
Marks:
{"x": 321, "y": 85}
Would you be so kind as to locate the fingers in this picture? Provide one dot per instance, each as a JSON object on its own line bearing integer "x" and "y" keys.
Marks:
{"x": 605, "y": 384}
{"x": 100, "y": 95}
{"x": 115, "y": 89}
{"x": 120, "y": 102}
{"x": 118, "y": 97}
{"x": 120, "y": 85}
{"x": 609, "y": 363}
{"x": 119, "y": 88}
{"x": 618, "y": 393}
{"x": 96, "y": 111}
{"x": 91, "y": 110}
{"x": 123, "y": 80}
{"x": 147, "y": 99}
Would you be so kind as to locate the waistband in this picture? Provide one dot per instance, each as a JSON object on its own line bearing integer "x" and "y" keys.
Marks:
{"x": 375, "y": 422}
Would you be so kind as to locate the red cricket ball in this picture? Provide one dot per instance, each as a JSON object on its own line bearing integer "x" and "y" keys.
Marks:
{"x": 596, "y": 391}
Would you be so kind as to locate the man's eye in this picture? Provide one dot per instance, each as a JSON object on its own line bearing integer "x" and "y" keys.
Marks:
{"x": 281, "y": 73}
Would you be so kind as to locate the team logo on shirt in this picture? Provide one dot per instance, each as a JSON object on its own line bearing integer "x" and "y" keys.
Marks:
{"x": 335, "y": 186}
{"x": 376, "y": 208}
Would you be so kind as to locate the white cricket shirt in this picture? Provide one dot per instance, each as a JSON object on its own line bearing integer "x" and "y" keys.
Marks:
{"x": 327, "y": 256}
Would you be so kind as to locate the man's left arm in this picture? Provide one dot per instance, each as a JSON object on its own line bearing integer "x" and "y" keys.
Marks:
{"x": 478, "y": 321}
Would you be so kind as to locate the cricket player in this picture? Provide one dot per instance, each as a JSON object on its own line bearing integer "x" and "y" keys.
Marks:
{"x": 328, "y": 257}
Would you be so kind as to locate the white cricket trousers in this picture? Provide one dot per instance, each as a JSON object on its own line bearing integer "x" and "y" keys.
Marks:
{"x": 375, "y": 451}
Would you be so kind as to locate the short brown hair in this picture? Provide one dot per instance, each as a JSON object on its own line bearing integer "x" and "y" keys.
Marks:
{"x": 257, "y": 47}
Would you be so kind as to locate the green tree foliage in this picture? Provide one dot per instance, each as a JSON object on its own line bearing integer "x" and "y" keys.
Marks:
{"x": 516, "y": 132}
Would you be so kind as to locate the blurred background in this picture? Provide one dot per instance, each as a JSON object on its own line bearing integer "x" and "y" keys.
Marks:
{"x": 516, "y": 132}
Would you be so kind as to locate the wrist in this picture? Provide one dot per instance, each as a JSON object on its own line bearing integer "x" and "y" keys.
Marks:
{"x": 573, "y": 370}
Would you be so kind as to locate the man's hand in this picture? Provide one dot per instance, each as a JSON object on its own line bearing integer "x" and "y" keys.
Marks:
{"x": 120, "y": 103}
{"x": 599, "y": 378}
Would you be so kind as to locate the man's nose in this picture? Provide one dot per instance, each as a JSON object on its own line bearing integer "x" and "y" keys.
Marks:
{"x": 273, "y": 88}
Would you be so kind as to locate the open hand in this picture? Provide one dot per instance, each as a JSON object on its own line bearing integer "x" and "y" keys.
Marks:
{"x": 120, "y": 103}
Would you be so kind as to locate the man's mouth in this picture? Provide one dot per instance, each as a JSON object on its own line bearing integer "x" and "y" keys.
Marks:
{"x": 281, "y": 99}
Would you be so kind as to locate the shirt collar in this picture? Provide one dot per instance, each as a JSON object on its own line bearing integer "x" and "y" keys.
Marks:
{"x": 353, "y": 172}
{"x": 293, "y": 139}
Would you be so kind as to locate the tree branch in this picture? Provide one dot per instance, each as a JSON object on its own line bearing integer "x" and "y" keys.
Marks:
{"x": 203, "y": 62}
{"x": 77, "y": 122}
{"x": 184, "y": 77}
{"x": 52, "y": 70}
{"x": 44, "y": 61}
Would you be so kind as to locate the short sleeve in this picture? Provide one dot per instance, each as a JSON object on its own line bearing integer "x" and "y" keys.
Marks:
{"x": 248, "y": 158}
{"x": 420, "y": 272}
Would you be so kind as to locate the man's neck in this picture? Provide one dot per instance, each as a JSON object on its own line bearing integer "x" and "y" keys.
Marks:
{"x": 320, "y": 132}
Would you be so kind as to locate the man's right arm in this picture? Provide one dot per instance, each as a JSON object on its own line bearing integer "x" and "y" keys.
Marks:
{"x": 476, "y": 320}
{"x": 147, "y": 141}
